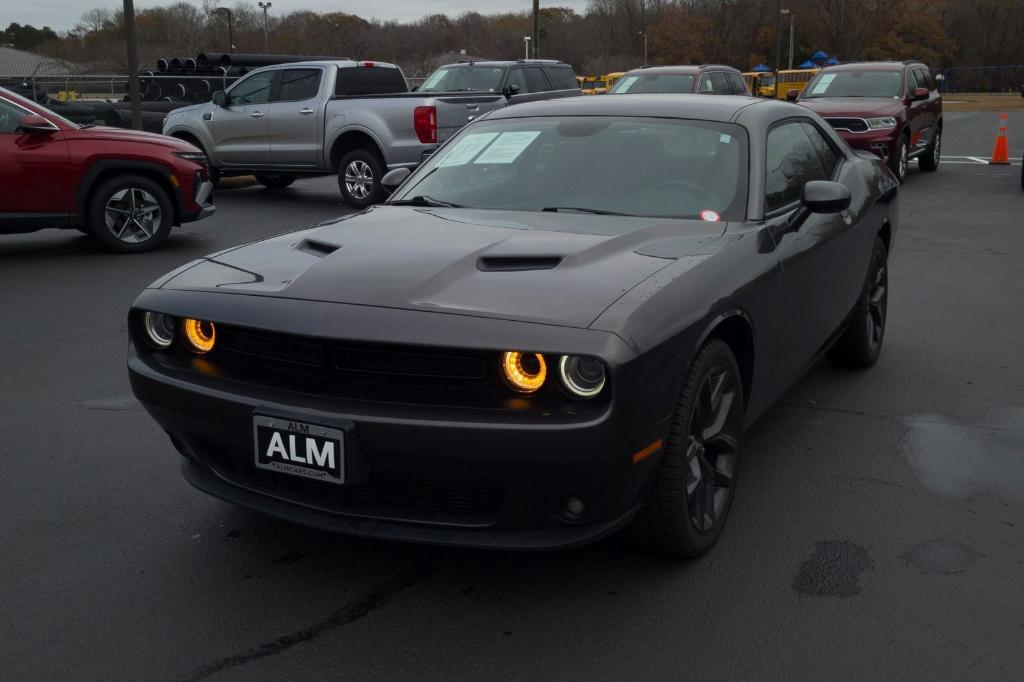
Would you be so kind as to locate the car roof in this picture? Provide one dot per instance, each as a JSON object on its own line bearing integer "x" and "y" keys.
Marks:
{"x": 505, "y": 62}
{"x": 871, "y": 66}
{"x": 721, "y": 108}
{"x": 340, "y": 63}
{"x": 683, "y": 69}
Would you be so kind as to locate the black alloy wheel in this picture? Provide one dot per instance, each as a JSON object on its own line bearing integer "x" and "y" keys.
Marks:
{"x": 861, "y": 342}
{"x": 689, "y": 502}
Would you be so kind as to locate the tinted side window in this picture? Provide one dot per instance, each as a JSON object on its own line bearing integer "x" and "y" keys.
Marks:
{"x": 10, "y": 117}
{"x": 253, "y": 90}
{"x": 706, "y": 86}
{"x": 535, "y": 80}
{"x": 791, "y": 163}
{"x": 561, "y": 78}
{"x": 369, "y": 80}
{"x": 739, "y": 86}
{"x": 720, "y": 82}
{"x": 826, "y": 155}
{"x": 298, "y": 85}
{"x": 516, "y": 77}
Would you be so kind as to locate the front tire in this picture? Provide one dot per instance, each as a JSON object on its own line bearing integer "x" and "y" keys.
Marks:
{"x": 861, "y": 342}
{"x": 686, "y": 509}
{"x": 929, "y": 161}
{"x": 899, "y": 162}
{"x": 277, "y": 181}
{"x": 130, "y": 214}
{"x": 359, "y": 175}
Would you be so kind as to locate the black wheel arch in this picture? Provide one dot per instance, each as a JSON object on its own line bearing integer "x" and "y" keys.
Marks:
{"x": 108, "y": 168}
{"x": 355, "y": 139}
{"x": 734, "y": 328}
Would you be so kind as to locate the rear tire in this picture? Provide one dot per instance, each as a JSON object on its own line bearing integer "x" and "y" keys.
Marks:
{"x": 687, "y": 507}
{"x": 277, "y": 181}
{"x": 129, "y": 214}
{"x": 861, "y": 342}
{"x": 929, "y": 161}
{"x": 359, "y": 174}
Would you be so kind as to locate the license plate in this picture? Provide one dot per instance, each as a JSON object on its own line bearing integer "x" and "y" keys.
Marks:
{"x": 300, "y": 449}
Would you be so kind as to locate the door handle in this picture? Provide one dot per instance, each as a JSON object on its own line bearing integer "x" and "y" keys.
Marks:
{"x": 257, "y": 114}
{"x": 306, "y": 112}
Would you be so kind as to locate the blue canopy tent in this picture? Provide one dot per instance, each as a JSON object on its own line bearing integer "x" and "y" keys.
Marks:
{"x": 761, "y": 68}
{"x": 831, "y": 61}
{"x": 819, "y": 56}
{"x": 806, "y": 65}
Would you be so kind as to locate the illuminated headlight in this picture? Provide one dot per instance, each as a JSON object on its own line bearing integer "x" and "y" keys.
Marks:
{"x": 201, "y": 335}
{"x": 159, "y": 329}
{"x": 197, "y": 157}
{"x": 881, "y": 123}
{"x": 583, "y": 377}
{"x": 524, "y": 372}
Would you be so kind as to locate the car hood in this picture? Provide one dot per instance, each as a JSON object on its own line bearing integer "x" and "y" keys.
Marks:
{"x": 122, "y": 135}
{"x": 854, "y": 106}
{"x": 562, "y": 269}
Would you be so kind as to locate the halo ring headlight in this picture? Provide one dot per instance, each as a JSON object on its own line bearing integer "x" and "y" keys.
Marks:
{"x": 201, "y": 335}
{"x": 159, "y": 329}
{"x": 583, "y": 377}
{"x": 524, "y": 372}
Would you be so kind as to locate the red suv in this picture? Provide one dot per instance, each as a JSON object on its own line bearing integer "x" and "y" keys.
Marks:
{"x": 892, "y": 109}
{"x": 123, "y": 187}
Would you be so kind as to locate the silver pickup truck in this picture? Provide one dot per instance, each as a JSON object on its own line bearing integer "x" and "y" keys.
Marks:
{"x": 356, "y": 119}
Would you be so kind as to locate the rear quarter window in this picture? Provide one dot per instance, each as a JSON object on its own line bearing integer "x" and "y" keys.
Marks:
{"x": 563, "y": 78}
{"x": 369, "y": 80}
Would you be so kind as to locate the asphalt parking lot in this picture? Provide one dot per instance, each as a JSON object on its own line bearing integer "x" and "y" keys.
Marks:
{"x": 878, "y": 530}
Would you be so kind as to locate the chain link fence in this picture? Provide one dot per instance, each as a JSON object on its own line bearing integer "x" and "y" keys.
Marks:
{"x": 992, "y": 79}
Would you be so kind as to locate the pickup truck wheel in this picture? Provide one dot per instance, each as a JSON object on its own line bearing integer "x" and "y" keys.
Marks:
{"x": 130, "y": 214}
{"x": 359, "y": 175}
{"x": 278, "y": 181}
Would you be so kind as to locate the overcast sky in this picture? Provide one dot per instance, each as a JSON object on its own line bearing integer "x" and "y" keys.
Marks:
{"x": 63, "y": 14}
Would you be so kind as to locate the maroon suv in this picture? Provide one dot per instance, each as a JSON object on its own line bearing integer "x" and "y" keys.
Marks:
{"x": 892, "y": 109}
{"x": 125, "y": 188}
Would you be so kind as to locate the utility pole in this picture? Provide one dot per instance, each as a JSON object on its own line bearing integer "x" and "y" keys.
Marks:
{"x": 644, "y": 34}
{"x": 231, "y": 37}
{"x": 133, "y": 63}
{"x": 265, "y": 6}
{"x": 792, "y": 16}
{"x": 778, "y": 40}
{"x": 536, "y": 28}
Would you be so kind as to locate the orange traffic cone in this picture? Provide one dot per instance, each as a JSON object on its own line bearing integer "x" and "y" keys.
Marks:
{"x": 1001, "y": 152}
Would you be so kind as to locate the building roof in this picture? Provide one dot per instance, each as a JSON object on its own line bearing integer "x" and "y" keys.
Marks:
{"x": 21, "y": 63}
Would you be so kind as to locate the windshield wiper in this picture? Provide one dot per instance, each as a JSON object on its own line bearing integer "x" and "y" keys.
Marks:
{"x": 575, "y": 209}
{"x": 424, "y": 200}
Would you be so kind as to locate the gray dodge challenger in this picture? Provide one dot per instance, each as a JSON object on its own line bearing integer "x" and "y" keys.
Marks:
{"x": 557, "y": 327}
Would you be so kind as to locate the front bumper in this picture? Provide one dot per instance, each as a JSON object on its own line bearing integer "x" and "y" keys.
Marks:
{"x": 490, "y": 482}
{"x": 203, "y": 200}
{"x": 880, "y": 143}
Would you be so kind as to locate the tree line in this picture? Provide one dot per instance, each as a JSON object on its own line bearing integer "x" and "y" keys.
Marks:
{"x": 608, "y": 36}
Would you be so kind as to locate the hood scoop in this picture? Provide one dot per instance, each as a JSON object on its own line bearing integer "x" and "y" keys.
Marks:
{"x": 316, "y": 248}
{"x": 517, "y": 263}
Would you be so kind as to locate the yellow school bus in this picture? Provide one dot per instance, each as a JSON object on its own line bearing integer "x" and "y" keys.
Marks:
{"x": 793, "y": 79}
{"x": 761, "y": 83}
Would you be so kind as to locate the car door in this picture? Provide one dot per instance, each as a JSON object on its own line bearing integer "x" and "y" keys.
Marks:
{"x": 241, "y": 132}
{"x": 536, "y": 85}
{"x": 925, "y": 111}
{"x": 294, "y": 115}
{"x": 35, "y": 173}
{"x": 816, "y": 258}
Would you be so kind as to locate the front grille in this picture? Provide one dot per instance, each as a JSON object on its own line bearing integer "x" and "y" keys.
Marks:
{"x": 854, "y": 125}
{"x": 385, "y": 495}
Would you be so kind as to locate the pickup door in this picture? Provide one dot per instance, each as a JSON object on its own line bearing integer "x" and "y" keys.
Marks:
{"x": 240, "y": 130}
{"x": 295, "y": 113}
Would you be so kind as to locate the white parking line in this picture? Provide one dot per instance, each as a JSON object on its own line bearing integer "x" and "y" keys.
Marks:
{"x": 972, "y": 160}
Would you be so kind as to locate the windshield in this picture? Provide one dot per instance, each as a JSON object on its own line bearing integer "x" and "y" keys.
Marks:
{"x": 856, "y": 84}
{"x": 463, "y": 79}
{"x": 628, "y": 165}
{"x": 654, "y": 82}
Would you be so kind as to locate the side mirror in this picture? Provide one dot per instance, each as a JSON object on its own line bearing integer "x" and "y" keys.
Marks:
{"x": 510, "y": 90}
{"x": 393, "y": 178}
{"x": 822, "y": 196}
{"x": 918, "y": 94}
{"x": 220, "y": 98}
{"x": 792, "y": 95}
{"x": 34, "y": 123}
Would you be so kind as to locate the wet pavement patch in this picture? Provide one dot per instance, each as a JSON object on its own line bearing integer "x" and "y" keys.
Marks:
{"x": 939, "y": 557}
{"x": 834, "y": 569}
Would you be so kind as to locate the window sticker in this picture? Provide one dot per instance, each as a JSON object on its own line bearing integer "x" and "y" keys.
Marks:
{"x": 468, "y": 147}
{"x": 433, "y": 80}
{"x": 508, "y": 147}
{"x": 822, "y": 85}
{"x": 627, "y": 83}
{"x": 724, "y": 138}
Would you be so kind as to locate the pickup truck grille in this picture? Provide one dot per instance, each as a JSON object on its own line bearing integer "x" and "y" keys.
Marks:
{"x": 853, "y": 125}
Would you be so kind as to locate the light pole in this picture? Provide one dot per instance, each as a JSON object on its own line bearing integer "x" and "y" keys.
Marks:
{"x": 778, "y": 41}
{"x": 792, "y": 16}
{"x": 265, "y": 6}
{"x": 644, "y": 34}
{"x": 526, "y": 43}
{"x": 231, "y": 36}
{"x": 536, "y": 27}
{"x": 133, "y": 63}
